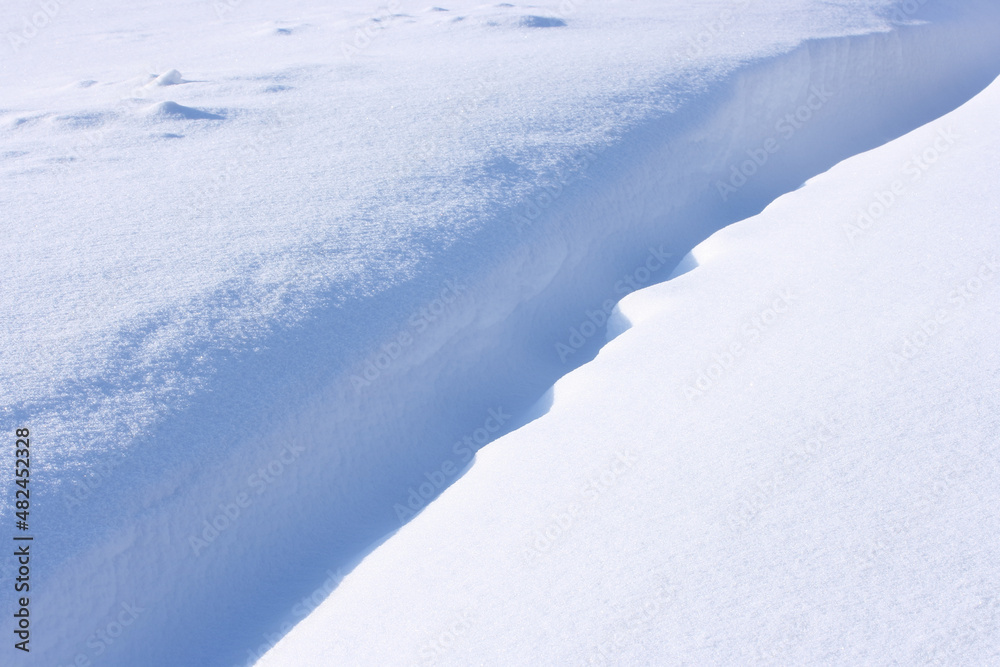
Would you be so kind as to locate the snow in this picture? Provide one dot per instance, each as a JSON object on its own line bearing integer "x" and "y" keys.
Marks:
{"x": 270, "y": 266}
{"x": 789, "y": 456}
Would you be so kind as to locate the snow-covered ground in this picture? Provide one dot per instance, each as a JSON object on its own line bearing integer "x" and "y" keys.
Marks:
{"x": 273, "y": 272}
{"x": 788, "y": 455}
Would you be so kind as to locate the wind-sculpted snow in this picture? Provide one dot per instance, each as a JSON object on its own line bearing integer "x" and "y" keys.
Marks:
{"x": 789, "y": 457}
{"x": 263, "y": 310}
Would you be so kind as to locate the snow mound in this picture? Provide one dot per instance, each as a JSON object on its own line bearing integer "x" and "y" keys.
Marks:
{"x": 169, "y": 78}
{"x": 174, "y": 110}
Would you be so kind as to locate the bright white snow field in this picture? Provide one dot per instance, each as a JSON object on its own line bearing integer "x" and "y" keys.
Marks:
{"x": 274, "y": 271}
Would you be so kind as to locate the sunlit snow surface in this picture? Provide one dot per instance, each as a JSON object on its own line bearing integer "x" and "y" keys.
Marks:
{"x": 790, "y": 457}
{"x": 275, "y": 262}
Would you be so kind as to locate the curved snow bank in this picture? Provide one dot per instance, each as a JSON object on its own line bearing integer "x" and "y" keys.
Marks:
{"x": 303, "y": 447}
{"x": 789, "y": 460}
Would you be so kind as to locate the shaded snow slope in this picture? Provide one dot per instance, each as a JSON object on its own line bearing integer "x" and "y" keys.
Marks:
{"x": 789, "y": 457}
{"x": 280, "y": 289}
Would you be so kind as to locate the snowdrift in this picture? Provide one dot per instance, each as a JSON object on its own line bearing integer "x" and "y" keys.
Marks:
{"x": 215, "y": 456}
{"x": 788, "y": 457}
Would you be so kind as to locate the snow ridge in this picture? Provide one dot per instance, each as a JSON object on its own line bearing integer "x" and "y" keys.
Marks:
{"x": 303, "y": 486}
